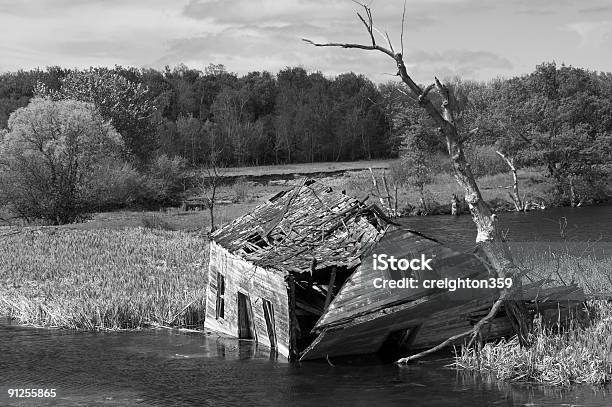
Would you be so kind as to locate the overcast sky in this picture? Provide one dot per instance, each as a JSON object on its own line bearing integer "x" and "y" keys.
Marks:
{"x": 477, "y": 39}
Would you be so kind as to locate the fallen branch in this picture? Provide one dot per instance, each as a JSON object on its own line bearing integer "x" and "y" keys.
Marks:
{"x": 474, "y": 332}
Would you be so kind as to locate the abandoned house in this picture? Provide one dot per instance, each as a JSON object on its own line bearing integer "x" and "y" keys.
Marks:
{"x": 296, "y": 275}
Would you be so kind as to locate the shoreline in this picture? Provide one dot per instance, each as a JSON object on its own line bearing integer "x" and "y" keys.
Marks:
{"x": 7, "y": 320}
{"x": 497, "y": 207}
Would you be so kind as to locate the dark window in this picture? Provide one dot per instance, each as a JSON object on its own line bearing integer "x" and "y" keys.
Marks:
{"x": 220, "y": 296}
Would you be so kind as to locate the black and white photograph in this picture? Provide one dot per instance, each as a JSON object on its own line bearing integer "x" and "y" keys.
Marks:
{"x": 306, "y": 203}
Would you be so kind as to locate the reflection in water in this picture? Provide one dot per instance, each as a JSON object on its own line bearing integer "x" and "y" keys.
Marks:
{"x": 162, "y": 368}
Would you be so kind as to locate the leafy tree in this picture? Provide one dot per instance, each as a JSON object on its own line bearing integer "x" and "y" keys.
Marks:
{"x": 556, "y": 117}
{"x": 127, "y": 104}
{"x": 416, "y": 169}
{"x": 50, "y": 157}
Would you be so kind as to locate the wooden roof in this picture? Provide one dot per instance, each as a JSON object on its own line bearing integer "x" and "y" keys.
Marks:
{"x": 358, "y": 295}
{"x": 306, "y": 227}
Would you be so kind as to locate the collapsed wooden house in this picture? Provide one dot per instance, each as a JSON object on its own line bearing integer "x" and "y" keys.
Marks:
{"x": 296, "y": 274}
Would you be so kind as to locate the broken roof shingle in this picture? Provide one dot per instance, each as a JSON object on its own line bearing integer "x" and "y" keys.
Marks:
{"x": 309, "y": 221}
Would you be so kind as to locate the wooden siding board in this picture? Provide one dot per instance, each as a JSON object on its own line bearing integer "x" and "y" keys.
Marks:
{"x": 257, "y": 283}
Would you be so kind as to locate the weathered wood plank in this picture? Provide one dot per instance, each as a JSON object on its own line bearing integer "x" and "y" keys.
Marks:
{"x": 256, "y": 282}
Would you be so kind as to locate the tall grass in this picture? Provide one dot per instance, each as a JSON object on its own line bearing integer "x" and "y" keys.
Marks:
{"x": 577, "y": 355}
{"x": 241, "y": 190}
{"x": 576, "y": 350}
{"x": 586, "y": 264}
{"x": 103, "y": 279}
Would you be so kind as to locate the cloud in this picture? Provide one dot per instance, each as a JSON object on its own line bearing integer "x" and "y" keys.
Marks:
{"x": 385, "y": 13}
{"x": 592, "y": 33}
{"x": 468, "y": 64}
{"x": 77, "y": 33}
{"x": 596, "y": 10}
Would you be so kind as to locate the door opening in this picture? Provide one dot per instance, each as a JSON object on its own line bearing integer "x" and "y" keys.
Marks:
{"x": 246, "y": 329}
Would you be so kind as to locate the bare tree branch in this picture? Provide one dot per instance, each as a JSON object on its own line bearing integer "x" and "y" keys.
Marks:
{"x": 402, "y": 34}
{"x": 346, "y": 45}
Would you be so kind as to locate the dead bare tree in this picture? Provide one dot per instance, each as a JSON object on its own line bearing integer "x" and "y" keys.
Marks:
{"x": 210, "y": 179}
{"x": 388, "y": 202}
{"x": 519, "y": 204}
{"x": 494, "y": 252}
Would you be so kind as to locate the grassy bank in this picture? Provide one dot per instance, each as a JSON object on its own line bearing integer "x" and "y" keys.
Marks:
{"x": 102, "y": 279}
{"x": 241, "y": 198}
{"x": 562, "y": 352}
{"x": 577, "y": 355}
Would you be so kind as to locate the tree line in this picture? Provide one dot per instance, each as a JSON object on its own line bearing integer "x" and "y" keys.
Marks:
{"x": 255, "y": 119}
{"x": 77, "y": 141}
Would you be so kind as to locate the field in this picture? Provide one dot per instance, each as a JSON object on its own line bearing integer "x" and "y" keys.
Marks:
{"x": 136, "y": 277}
{"x": 242, "y": 196}
{"x": 102, "y": 279}
{"x": 304, "y": 169}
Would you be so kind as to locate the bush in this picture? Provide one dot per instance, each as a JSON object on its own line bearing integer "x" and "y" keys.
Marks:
{"x": 241, "y": 189}
{"x": 164, "y": 181}
{"x": 116, "y": 185}
{"x": 51, "y": 156}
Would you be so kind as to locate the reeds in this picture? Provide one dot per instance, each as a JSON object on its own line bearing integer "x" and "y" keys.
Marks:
{"x": 577, "y": 354}
{"x": 103, "y": 279}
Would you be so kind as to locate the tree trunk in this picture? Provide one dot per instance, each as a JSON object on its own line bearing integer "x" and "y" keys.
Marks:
{"x": 572, "y": 191}
{"x": 494, "y": 252}
{"x": 516, "y": 198}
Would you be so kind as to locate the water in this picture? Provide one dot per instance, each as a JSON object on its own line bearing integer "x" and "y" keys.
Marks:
{"x": 162, "y": 368}
{"x": 592, "y": 224}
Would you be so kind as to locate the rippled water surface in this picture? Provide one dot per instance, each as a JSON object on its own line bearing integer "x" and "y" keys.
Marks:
{"x": 163, "y": 368}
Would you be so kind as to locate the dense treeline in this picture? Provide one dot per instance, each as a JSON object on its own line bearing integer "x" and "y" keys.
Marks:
{"x": 558, "y": 118}
{"x": 255, "y": 119}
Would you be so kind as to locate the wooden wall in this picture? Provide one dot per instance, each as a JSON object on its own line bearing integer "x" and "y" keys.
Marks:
{"x": 255, "y": 282}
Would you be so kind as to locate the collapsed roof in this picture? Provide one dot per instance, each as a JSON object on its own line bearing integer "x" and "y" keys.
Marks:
{"x": 308, "y": 227}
